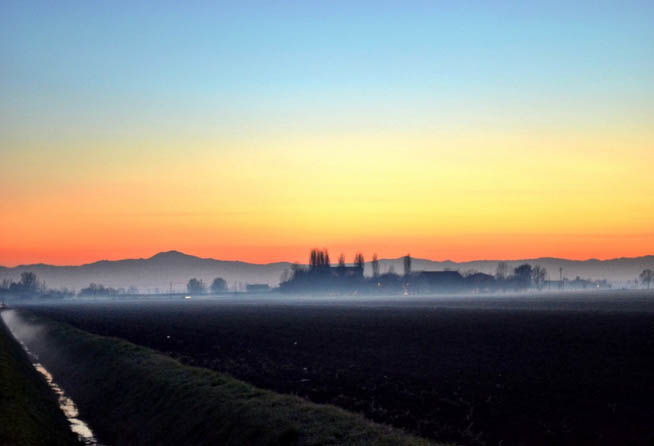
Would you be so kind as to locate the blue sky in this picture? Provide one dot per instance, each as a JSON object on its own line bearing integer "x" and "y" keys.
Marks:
{"x": 253, "y": 58}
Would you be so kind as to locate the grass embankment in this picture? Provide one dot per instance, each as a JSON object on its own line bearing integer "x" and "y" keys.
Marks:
{"x": 29, "y": 413}
{"x": 132, "y": 395}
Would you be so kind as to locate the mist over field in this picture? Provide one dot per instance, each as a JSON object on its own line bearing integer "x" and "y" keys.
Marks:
{"x": 27, "y": 333}
{"x": 174, "y": 268}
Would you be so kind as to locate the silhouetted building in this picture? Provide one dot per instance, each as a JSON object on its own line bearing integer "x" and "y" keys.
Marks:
{"x": 554, "y": 284}
{"x": 349, "y": 271}
{"x": 581, "y": 284}
{"x": 388, "y": 283}
{"x": 480, "y": 282}
{"x": 436, "y": 282}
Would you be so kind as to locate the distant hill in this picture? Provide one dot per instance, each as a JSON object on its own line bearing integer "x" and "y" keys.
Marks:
{"x": 160, "y": 271}
{"x": 176, "y": 268}
{"x": 619, "y": 271}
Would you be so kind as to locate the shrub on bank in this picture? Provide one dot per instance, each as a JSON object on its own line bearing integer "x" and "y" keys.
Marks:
{"x": 29, "y": 412}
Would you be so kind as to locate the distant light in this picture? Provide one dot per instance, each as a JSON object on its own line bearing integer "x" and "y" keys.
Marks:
{"x": 187, "y": 297}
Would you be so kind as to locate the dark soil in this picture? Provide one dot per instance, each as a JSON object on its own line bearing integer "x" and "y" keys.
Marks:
{"x": 511, "y": 371}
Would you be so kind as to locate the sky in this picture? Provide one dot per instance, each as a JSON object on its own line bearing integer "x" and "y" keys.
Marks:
{"x": 258, "y": 130}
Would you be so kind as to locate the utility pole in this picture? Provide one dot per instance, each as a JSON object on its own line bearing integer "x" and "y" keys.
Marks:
{"x": 561, "y": 275}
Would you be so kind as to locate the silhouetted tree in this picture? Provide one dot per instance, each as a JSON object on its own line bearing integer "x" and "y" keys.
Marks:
{"x": 359, "y": 262}
{"x": 29, "y": 283}
{"x": 522, "y": 275}
{"x": 538, "y": 276}
{"x": 407, "y": 265}
{"x": 341, "y": 265}
{"x": 218, "y": 285}
{"x": 196, "y": 286}
{"x": 646, "y": 277}
{"x": 27, "y": 287}
{"x": 97, "y": 290}
{"x": 375, "y": 266}
{"x": 4, "y": 288}
{"x": 319, "y": 260}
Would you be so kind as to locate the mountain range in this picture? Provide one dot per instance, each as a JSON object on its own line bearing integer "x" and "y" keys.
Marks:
{"x": 173, "y": 269}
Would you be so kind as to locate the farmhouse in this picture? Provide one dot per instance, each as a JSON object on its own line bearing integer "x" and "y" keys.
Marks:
{"x": 480, "y": 282}
{"x": 437, "y": 281}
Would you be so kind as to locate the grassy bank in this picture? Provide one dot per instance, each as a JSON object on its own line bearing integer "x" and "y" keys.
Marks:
{"x": 29, "y": 413}
{"x": 133, "y": 395}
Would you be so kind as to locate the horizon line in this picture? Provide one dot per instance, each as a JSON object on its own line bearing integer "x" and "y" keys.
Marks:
{"x": 173, "y": 251}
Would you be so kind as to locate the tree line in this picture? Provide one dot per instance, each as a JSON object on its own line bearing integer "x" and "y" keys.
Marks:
{"x": 197, "y": 286}
{"x": 29, "y": 286}
{"x": 321, "y": 276}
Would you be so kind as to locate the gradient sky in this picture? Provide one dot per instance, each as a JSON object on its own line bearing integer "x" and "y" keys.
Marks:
{"x": 257, "y": 130}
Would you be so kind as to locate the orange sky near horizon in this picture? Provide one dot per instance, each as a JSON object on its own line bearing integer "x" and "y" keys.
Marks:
{"x": 479, "y": 247}
{"x": 444, "y": 195}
